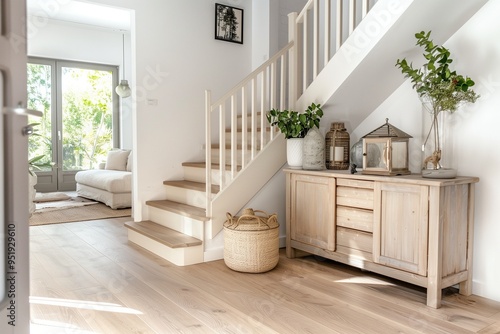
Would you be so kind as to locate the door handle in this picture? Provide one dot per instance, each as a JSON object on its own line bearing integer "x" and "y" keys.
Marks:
{"x": 19, "y": 110}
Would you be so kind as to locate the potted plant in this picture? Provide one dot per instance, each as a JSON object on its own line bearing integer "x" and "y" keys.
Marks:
{"x": 35, "y": 163}
{"x": 295, "y": 126}
{"x": 441, "y": 90}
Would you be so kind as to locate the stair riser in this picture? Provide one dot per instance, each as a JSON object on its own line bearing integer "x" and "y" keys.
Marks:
{"x": 249, "y": 120}
{"x": 239, "y": 153}
{"x": 239, "y": 138}
{"x": 177, "y": 222}
{"x": 198, "y": 174}
{"x": 187, "y": 196}
{"x": 179, "y": 256}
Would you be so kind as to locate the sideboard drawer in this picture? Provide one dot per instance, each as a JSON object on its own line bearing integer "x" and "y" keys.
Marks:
{"x": 354, "y": 239}
{"x": 359, "y": 219}
{"x": 355, "y": 197}
{"x": 355, "y": 183}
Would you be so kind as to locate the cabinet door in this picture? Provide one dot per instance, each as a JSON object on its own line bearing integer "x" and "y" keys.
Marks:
{"x": 400, "y": 226}
{"x": 312, "y": 216}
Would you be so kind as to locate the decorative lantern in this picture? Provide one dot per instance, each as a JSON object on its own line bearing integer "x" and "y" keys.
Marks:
{"x": 337, "y": 144}
{"x": 385, "y": 151}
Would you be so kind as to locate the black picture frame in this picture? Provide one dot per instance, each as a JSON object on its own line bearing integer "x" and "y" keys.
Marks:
{"x": 228, "y": 23}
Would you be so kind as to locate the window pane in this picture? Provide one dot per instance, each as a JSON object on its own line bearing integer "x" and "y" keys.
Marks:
{"x": 399, "y": 154}
{"x": 39, "y": 98}
{"x": 87, "y": 119}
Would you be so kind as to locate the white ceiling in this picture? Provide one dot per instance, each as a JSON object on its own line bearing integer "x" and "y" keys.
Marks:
{"x": 78, "y": 12}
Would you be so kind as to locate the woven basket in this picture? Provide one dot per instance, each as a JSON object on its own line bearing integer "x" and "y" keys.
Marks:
{"x": 251, "y": 241}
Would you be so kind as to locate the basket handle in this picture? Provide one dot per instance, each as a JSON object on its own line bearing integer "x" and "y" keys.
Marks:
{"x": 250, "y": 217}
{"x": 260, "y": 219}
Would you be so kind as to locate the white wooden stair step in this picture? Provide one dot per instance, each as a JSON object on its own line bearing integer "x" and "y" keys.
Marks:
{"x": 180, "y": 208}
{"x": 259, "y": 129}
{"x": 163, "y": 235}
{"x": 198, "y": 186}
{"x": 228, "y": 146}
{"x": 204, "y": 165}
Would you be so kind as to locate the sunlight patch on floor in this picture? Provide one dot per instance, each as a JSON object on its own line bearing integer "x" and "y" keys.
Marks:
{"x": 87, "y": 305}
{"x": 363, "y": 280}
{"x": 54, "y": 327}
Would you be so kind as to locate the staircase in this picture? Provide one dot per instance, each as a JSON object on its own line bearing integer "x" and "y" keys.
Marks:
{"x": 331, "y": 66}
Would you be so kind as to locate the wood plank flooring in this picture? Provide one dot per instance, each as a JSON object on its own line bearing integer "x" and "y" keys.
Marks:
{"x": 87, "y": 278}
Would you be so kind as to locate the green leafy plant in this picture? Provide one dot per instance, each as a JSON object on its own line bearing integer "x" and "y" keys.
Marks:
{"x": 294, "y": 124}
{"x": 438, "y": 87}
{"x": 36, "y": 162}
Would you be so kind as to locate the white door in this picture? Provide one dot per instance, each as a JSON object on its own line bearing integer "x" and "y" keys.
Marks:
{"x": 14, "y": 278}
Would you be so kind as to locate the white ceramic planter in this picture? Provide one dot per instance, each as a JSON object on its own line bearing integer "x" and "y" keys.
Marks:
{"x": 294, "y": 148}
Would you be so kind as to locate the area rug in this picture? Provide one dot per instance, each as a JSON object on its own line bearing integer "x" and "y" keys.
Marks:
{"x": 78, "y": 213}
{"x": 50, "y": 197}
{"x": 63, "y": 203}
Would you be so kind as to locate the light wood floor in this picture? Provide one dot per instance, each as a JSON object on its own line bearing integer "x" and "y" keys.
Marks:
{"x": 87, "y": 278}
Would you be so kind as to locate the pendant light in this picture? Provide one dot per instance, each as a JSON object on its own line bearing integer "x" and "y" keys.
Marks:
{"x": 123, "y": 89}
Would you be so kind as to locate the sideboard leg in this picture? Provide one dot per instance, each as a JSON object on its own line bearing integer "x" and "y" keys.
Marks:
{"x": 466, "y": 286}
{"x": 434, "y": 297}
{"x": 435, "y": 254}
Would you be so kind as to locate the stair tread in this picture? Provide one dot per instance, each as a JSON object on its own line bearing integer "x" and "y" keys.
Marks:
{"x": 163, "y": 234}
{"x": 192, "y": 185}
{"x": 238, "y": 147}
{"x": 204, "y": 165}
{"x": 258, "y": 113}
{"x": 180, "y": 208}
{"x": 268, "y": 128}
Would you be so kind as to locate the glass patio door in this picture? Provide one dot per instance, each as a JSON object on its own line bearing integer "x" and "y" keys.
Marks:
{"x": 80, "y": 124}
{"x": 41, "y": 95}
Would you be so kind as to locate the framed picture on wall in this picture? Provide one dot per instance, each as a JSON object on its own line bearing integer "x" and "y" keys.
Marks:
{"x": 228, "y": 23}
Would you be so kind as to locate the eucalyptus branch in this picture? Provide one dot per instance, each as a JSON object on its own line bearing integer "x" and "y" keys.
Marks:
{"x": 434, "y": 81}
{"x": 437, "y": 85}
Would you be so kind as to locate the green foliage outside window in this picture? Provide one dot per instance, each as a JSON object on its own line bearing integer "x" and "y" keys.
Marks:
{"x": 87, "y": 120}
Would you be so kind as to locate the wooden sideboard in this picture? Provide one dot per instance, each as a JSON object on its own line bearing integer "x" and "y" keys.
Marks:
{"x": 409, "y": 228}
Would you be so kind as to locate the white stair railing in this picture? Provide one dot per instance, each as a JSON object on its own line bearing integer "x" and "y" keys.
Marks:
{"x": 248, "y": 102}
{"x": 320, "y": 29}
{"x": 315, "y": 35}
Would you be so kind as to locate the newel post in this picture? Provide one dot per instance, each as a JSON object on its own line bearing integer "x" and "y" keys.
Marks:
{"x": 208, "y": 153}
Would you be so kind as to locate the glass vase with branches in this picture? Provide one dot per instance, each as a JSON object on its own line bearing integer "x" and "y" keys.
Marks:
{"x": 439, "y": 88}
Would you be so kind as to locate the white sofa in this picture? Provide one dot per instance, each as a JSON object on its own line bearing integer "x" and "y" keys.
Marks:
{"x": 111, "y": 184}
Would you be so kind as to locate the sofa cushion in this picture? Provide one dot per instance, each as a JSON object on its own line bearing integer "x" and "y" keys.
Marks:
{"x": 129, "y": 162}
{"x": 109, "y": 180}
{"x": 117, "y": 160}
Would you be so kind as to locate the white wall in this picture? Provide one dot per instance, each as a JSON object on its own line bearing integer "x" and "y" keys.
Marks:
{"x": 286, "y": 7}
{"x": 270, "y": 27}
{"x": 474, "y": 135}
{"x": 261, "y": 32}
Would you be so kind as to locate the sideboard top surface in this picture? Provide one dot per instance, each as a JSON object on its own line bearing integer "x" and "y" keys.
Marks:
{"x": 411, "y": 178}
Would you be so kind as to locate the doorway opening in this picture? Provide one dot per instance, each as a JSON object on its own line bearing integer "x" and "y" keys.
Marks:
{"x": 80, "y": 122}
